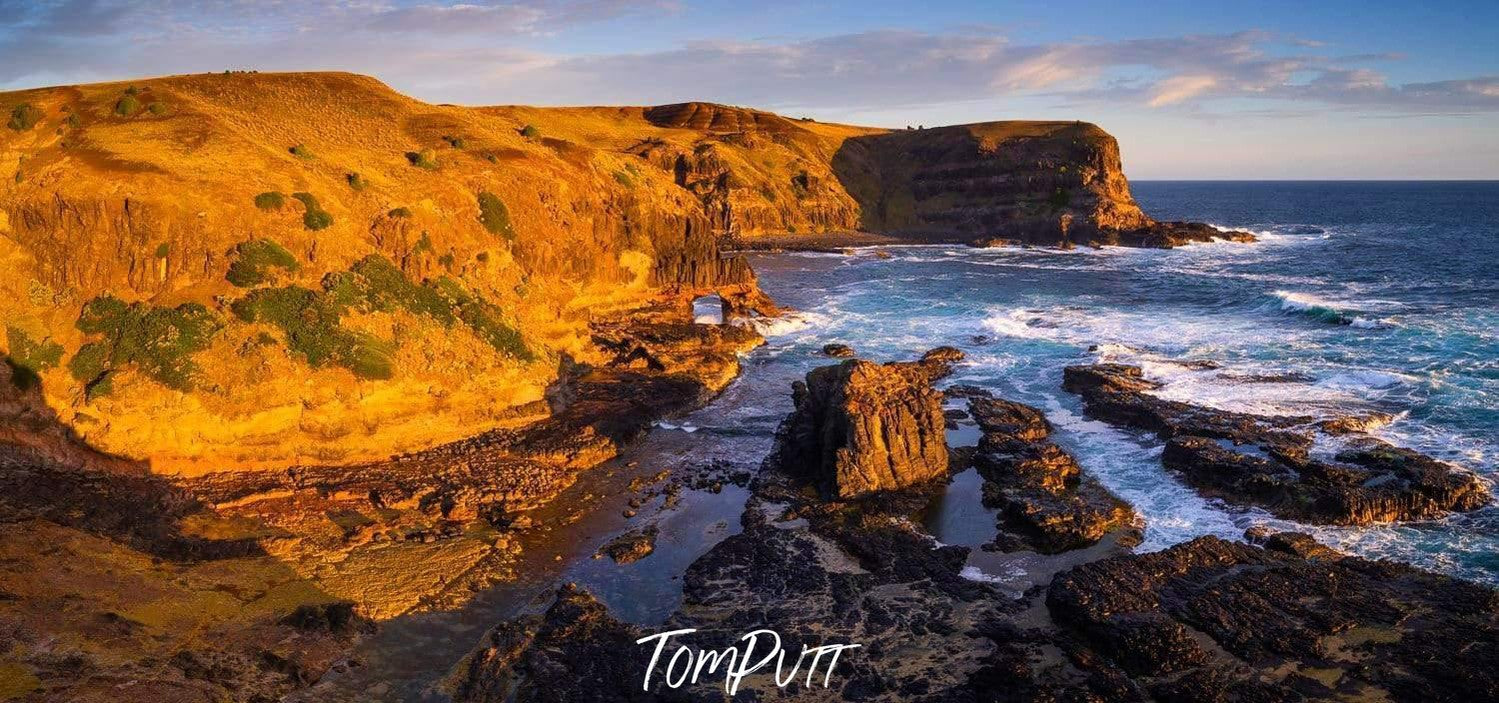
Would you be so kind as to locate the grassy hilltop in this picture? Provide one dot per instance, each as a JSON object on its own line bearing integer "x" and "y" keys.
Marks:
{"x": 249, "y": 270}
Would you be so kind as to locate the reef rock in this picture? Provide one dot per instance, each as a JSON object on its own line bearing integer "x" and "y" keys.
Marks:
{"x": 1267, "y": 460}
{"x": 861, "y": 427}
{"x": 1045, "y": 502}
{"x": 1217, "y": 620}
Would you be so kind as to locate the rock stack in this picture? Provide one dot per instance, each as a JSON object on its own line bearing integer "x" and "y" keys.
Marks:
{"x": 860, "y": 427}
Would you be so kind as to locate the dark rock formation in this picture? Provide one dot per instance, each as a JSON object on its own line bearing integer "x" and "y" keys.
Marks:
{"x": 837, "y": 351}
{"x": 1207, "y": 620}
{"x": 576, "y": 651}
{"x": 631, "y": 546}
{"x": 1045, "y": 502}
{"x": 1267, "y": 460}
{"x": 861, "y": 427}
{"x": 1216, "y": 620}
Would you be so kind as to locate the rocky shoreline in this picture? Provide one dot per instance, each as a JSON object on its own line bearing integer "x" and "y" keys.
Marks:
{"x": 1279, "y": 618}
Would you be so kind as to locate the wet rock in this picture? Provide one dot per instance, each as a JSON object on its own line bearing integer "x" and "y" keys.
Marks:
{"x": 963, "y": 390}
{"x": 1267, "y": 460}
{"x": 1045, "y": 502}
{"x": 1207, "y": 617}
{"x": 631, "y": 546}
{"x": 574, "y": 651}
{"x": 943, "y": 355}
{"x": 861, "y": 427}
{"x": 837, "y": 351}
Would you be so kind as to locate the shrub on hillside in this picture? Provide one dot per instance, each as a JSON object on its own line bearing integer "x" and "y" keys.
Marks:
{"x": 426, "y": 158}
{"x": 127, "y": 106}
{"x": 157, "y": 108}
{"x": 270, "y": 200}
{"x": 310, "y": 322}
{"x": 158, "y": 341}
{"x": 256, "y": 262}
{"x": 355, "y": 180}
{"x": 494, "y": 215}
{"x": 302, "y": 152}
{"x": 530, "y": 131}
{"x": 315, "y": 218}
{"x": 400, "y": 212}
{"x": 28, "y": 358}
{"x": 624, "y": 179}
{"x": 24, "y": 117}
{"x": 455, "y": 142}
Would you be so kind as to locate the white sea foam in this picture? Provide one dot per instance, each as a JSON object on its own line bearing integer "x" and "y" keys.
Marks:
{"x": 789, "y": 323}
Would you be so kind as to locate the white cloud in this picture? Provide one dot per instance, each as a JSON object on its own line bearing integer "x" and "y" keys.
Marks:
{"x": 471, "y": 52}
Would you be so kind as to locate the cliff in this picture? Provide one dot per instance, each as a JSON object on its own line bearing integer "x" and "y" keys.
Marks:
{"x": 253, "y": 270}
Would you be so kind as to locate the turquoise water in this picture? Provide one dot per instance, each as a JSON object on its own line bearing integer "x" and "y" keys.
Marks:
{"x": 1380, "y": 296}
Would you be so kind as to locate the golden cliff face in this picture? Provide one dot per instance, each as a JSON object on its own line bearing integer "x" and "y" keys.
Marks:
{"x": 231, "y": 271}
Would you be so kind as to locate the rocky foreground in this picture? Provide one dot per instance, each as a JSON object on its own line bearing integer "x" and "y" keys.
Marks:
{"x": 1280, "y": 618}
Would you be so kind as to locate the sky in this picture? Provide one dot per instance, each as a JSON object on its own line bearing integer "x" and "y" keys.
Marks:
{"x": 1192, "y": 90}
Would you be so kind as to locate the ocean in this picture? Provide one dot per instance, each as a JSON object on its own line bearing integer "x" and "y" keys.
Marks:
{"x": 1359, "y": 295}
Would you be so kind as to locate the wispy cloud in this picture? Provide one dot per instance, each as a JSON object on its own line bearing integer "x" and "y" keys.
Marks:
{"x": 471, "y": 52}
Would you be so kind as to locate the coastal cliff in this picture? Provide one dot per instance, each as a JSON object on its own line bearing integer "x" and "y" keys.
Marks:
{"x": 238, "y": 271}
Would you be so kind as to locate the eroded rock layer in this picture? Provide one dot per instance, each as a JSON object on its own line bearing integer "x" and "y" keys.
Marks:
{"x": 1268, "y": 460}
{"x": 1045, "y": 502}
{"x": 862, "y": 427}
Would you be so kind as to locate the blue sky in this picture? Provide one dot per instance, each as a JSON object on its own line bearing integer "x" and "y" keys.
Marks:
{"x": 1191, "y": 89}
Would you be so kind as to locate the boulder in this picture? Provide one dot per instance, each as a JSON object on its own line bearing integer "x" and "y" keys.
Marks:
{"x": 861, "y": 427}
{"x": 837, "y": 351}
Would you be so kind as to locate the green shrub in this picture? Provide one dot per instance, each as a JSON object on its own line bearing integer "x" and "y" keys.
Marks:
{"x": 302, "y": 152}
{"x": 399, "y": 212}
{"x": 455, "y": 142}
{"x": 355, "y": 180}
{"x": 159, "y": 341}
{"x": 127, "y": 106}
{"x": 800, "y": 183}
{"x": 310, "y": 321}
{"x": 29, "y": 358}
{"x": 624, "y": 179}
{"x": 24, "y": 117}
{"x": 270, "y": 200}
{"x": 315, "y": 218}
{"x": 73, "y": 121}
{"x": 132, "y": 90}
{"x": 426, "y": 158}
{"x": 423, "y": 245}
{"x": 494, "y": 215}
{"x": 256, "y": 260}
{"x": 157, "y": 108}
{"x": 163, "y": 250}
{"x": 530, "y": 131}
